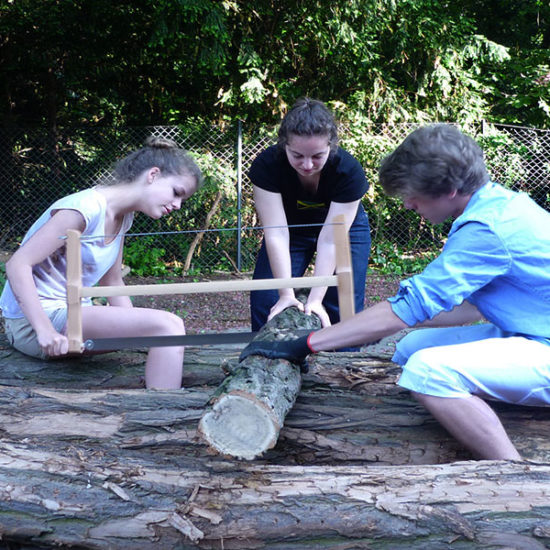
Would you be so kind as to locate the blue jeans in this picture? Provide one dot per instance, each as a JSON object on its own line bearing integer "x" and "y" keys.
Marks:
{"x": 302, "y": 248}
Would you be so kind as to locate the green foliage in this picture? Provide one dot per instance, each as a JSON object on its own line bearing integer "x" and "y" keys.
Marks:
{"x": 219, "y": 176}
{"x": 66, "y": 61}
{"x": 505, "y": 159}
{"x": 111, "y": 65}
{"x": 389, "y": 259}
{"x": 213, "y": 209}
{"x": 521, "y": 85}
{"x": 524, "y": 90}
{"x": 143, "y": 258}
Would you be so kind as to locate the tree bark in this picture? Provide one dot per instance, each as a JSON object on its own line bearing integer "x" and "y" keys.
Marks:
{"x": 248, "y": 409}
{"x": 349, "y": 409}
{"x": 83, "y": 496}
{"x": 90, "y": 459}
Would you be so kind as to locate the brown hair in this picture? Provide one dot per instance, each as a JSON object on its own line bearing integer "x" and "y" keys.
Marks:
{"x": 308, "y": 117}
{"x": 159, "y": 152}
{"x": 432, "y": 161}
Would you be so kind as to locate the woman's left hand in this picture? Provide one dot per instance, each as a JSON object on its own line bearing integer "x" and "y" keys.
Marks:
{"x": 319, "y": 310}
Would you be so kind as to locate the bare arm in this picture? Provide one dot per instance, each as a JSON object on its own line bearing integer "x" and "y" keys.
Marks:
{"x": 463, "y": 314}
{"x": 269, "y": 207}
{"x": 370, "y": 325}
{"x": 379, "y": 321}
{"x": 19, "y": 272}
{"x": 113, "y": 277}
{"x": 325, "y": 261}
{"x": 367, "y": 326}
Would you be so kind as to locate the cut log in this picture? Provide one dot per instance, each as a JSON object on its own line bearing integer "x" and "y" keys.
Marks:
{"x": 248, "y": 410}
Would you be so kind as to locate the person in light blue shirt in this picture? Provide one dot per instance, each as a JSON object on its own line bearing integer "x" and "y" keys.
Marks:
{"x": 485, "y": 299}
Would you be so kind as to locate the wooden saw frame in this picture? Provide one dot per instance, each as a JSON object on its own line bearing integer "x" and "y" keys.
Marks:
{"x": 75, "y": 291}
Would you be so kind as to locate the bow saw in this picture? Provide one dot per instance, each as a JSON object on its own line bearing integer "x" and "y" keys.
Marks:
{"x": 343, "y": 279}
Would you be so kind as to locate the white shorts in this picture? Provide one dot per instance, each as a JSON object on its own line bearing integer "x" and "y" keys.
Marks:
{"x": 22, "y": 337}
{"x": 475, "y": 360}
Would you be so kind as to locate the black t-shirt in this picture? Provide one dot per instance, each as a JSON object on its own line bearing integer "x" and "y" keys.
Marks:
{"x": 342, "y": 180}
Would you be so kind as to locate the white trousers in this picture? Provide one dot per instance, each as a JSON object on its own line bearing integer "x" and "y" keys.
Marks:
{"x": 475, "y": 360}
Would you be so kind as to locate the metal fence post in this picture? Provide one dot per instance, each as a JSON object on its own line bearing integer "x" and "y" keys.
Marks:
{"x": 239, "y": 190}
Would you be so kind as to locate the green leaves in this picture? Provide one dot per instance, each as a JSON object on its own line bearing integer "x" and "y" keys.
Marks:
{"x": 110, "y": 62}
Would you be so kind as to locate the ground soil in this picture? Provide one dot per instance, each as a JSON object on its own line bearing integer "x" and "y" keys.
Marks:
{"x": 223, "y": 311}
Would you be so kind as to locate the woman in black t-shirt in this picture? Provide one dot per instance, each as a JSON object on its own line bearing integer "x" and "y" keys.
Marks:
{"x": 306, "y": 179}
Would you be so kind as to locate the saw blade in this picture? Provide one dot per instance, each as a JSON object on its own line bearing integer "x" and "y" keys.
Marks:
{"x": 137, "y": 342}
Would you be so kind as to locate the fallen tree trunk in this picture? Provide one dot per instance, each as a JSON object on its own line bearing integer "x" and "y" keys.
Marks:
{"x": 248, "y": 410}
{"x": 87, "y": 462}
{"x": 322, "y": 428}
{"x": 77, "y": 496}
{"x": 331, "y": 423}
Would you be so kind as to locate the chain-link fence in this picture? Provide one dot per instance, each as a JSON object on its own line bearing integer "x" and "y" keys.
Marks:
{"x": 214, "y": 230}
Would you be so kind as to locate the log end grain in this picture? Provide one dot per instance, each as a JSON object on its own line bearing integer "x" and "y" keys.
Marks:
{"x": 239, "y": 426}
{"x": 250, "y": 406}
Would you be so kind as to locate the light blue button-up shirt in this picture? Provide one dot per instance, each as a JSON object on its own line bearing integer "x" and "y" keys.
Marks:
{"x": 497, "y": 256}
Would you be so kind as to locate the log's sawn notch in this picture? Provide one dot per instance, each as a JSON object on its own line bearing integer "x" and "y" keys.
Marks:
{"x": 75, "y": 291}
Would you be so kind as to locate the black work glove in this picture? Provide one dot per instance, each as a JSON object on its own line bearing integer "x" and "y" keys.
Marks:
{"x": 294, "y": 351}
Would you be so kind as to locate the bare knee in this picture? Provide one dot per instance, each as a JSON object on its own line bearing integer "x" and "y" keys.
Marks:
{"x": 174, "y": 323}
{"x": 165, "y": 323}
{"x": 420, "y": 397}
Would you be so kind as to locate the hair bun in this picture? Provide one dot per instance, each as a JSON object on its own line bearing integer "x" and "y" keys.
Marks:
{"x": 159, "y": 142}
